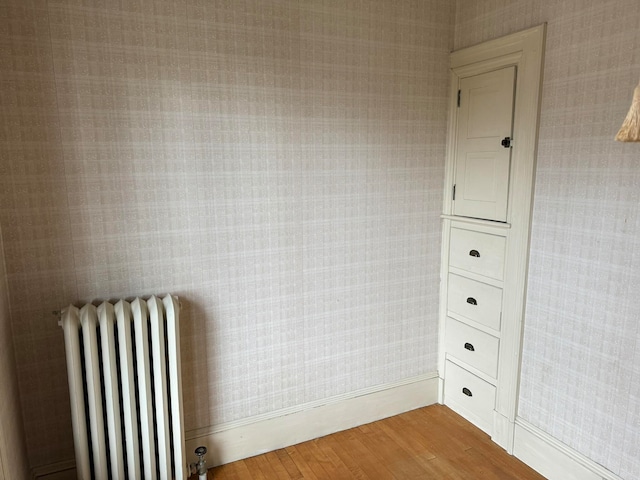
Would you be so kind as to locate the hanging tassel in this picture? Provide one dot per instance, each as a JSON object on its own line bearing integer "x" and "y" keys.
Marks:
{"x": 630, "y": 130}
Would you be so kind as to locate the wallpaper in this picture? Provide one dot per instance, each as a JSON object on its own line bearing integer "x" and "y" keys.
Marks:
{"x": 35, "y": 226}
{"x": 13, "y": 456}
{"x": 581, "y": 359}
{"x": 277, "y": 164}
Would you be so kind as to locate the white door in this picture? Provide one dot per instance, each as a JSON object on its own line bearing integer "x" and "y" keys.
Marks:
{"x": 483, "y": 155}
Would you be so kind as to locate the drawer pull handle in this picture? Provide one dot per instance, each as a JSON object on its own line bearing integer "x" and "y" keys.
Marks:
{"x": 474, "y": 253}
{"x": 469, "y": 347}
{"x": 472, "y": 301}
{"x": 467, "y": 392}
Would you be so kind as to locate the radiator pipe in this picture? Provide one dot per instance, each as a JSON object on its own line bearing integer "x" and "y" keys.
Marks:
{"x": 201, "y": 466}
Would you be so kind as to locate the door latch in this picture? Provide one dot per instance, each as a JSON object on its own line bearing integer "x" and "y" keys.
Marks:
{"x": 506, "y": 142}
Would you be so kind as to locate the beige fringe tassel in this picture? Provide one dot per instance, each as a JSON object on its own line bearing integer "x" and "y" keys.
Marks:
{"x": 630, "y": 130}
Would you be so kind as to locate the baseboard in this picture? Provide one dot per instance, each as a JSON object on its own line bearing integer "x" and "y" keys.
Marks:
{"x": 253, "y": 436}
{"x": 234, "y": 441}
{"x": 552, "y": 458}
{"x": 502, "y": 432}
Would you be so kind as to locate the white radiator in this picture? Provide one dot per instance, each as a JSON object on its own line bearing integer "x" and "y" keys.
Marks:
{"x": 123, "y": 363}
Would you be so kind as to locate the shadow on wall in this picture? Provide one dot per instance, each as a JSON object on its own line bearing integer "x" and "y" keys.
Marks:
{"x": 196, "y": 333}
{"x": 36, "y": 225}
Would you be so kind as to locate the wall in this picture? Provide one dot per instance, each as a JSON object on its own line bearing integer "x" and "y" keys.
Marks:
{"x": 277, "y": 164}
{"x": 580, "y": 372}
{"x": 13, "y": 458}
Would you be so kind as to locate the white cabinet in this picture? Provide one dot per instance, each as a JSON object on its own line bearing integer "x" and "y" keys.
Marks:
{"x": 472, "y": 327}
{"x": 487, "y": 204}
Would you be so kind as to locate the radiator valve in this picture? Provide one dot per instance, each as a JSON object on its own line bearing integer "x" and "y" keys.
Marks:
{"x": 200, "y": 467}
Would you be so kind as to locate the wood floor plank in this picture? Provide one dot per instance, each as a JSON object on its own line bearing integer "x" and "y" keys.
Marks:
{"x": 243, "y": 470}
{"x": 461, "y": 438}
{"x": 429, "y": 436}
{"x": 352, "y": 442}
{"x": 428, "y": 443}
{"x": 289, "y": 465}
{"x": 400, "y": 463}
{"x": 266, "y": 467}
{"x": 279, "y": 470}
{"x": 254, "y": 466}
{"x": 226, "y": 472}
{"x": 484, "y": 468}
{"x": 331, "y": 443}
{"x": 232, "y": 471}
{"x": 439, "y": 422}
{"x": 443, "y": 467}
{"x": 330, "y": 462}
{"x": 306, "y": 463}
{"x": 406, "y": 442}
{"x": 423, "y": 457}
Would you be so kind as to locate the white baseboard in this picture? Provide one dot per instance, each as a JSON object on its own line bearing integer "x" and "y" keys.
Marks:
{"x": 552, "y": 458}
{"x": 502, "y": 432}
{"x": 238, "y": 440}
{"x": 264, "y": 433}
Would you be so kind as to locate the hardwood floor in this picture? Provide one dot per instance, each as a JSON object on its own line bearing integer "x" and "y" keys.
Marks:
{"x": 428, "y": 443}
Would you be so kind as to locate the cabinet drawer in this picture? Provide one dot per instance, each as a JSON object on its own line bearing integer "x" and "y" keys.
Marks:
{"x": 470, "y": 396}
{"x": 475, "y": 300}
{"x": 476, "y": 348}
{"x": 477, "y": 252}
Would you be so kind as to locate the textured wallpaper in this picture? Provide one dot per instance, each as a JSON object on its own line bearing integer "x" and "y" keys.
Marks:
{"x": 13, "y": 455}
{"x": 35, "y": 225}
{"x": 278, "y": 164}
{"x": 581, "y": 359}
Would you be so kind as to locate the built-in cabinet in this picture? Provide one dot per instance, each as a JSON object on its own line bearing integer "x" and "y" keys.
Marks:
{"x": 484, "y": 139}
{"x": 486, "y": 223}
{"x": 472, "y": 326}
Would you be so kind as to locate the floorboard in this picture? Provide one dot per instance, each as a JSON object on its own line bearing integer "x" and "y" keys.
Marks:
{"x": 427, "y": 443}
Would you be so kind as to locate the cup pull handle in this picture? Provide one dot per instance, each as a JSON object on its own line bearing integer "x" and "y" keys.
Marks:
{"x": 467, "y": 392}
{"x": 472, "y": 301}
{"x": 469, "y": 347}
{"x": 474, "y": 253}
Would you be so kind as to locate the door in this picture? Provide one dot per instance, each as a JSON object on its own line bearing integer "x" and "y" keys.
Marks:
{"x": 483, "y": 155}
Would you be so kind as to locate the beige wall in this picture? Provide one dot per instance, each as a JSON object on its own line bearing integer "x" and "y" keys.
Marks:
{"x": 13, "y": 458}
{"x": 580, "y": 372}
{"x": 36, "y": 225}
{"x": 278, "y": 164}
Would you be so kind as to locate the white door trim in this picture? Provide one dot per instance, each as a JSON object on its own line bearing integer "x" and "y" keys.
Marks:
{"x": 525, "y": 50}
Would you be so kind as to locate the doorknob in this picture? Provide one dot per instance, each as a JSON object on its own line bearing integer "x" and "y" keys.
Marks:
{"x": 506, "y": 142}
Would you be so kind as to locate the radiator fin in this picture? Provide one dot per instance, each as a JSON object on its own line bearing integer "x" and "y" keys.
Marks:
{"x": 123, "y": 365}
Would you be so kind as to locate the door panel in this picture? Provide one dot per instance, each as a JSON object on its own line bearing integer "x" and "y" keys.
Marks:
{"x": 482, "y": 162}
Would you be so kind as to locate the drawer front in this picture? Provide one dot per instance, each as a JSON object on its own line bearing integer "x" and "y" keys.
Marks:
{"x": 477, "y": 252}
{"x": 475, "y": 300}
{"x": 470, "y": 396}
{"x": 476, "y": 348}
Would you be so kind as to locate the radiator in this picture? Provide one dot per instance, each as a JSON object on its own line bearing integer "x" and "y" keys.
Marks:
{"x": 123, "y": 364}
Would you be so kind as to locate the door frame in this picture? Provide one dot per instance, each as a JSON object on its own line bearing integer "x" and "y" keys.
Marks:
{"x": 524, "y": 50}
